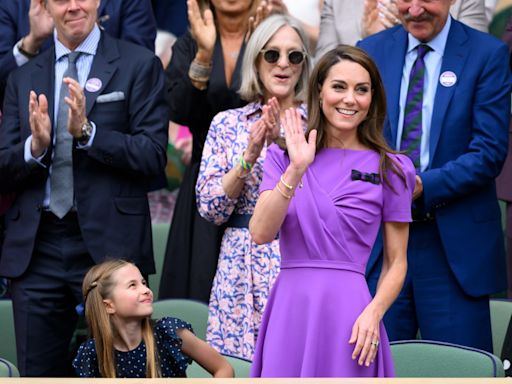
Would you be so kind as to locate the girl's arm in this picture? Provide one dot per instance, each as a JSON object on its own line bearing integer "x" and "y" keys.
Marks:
{"x": 204, "y": 355}
{"x": 366, "y": 328}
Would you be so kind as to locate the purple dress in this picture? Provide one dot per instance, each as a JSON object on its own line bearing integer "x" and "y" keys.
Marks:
{"x": 325, "y": 241}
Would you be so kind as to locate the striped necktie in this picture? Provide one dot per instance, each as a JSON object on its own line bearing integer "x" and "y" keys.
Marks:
{"x": 411, "y": 134}
{"x": 61, "y": 177}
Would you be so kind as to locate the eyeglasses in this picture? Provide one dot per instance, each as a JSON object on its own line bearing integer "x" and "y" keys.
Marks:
{"x": 271, "y": 56}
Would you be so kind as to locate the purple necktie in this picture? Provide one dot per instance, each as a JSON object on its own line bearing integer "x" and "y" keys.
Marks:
{"x": 411, "y": 134}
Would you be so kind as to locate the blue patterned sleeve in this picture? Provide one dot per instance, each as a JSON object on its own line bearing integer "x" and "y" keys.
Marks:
{"x": 212, "y": 201}
{"x": 86, "y": 361}
{"x": 173, "y": 361}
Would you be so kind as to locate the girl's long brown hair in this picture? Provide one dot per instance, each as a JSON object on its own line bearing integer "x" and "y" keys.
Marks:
{"x": 97, "y": 286}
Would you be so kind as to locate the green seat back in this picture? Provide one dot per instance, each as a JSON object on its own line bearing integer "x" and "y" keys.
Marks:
{"x": 501, "y": 312}
{"x": 7, "y": 337}
{"x": 8, "y": 369}
{"x": 423, "y": 358}
{"x": 160, "y": 233}
{"x": 193, "y": 312}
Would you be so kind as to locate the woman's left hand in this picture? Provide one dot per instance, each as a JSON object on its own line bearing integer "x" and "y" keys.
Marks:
{"x": 366, "y": 336}
{"x": 264, "y": 9}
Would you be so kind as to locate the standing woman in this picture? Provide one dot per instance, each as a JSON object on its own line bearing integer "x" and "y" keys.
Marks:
{"x": 327, "y": 198}
{"x": 204, "y": 77}
{"x": 275, "y": 73}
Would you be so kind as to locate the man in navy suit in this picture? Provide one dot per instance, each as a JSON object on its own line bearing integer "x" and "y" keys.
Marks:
{"x": 456, "y": 249}
{"x": 25, "y": 24}
{"x": 115, "y": 117}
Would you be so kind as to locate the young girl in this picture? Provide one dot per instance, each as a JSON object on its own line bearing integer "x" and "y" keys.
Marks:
{"x": 126, "y": 343}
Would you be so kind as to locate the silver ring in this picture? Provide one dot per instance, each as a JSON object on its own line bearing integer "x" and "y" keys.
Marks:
{"x": 375, "y": 343}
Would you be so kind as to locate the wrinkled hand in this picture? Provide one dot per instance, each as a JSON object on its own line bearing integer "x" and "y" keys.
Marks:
{"x": 40, "y": 124}
{"x": 41, "y": 26}
{"x": 271, "y": 116}
{"x": 76, "y": 103}
{"x": 365, "y": 331}
{"x": 257, "y": 137}
{"x": 378, "y": 15}
{"x": 300, "y": 151}
{"x": 202, "y": 27}
{"x": 263, "y": 11}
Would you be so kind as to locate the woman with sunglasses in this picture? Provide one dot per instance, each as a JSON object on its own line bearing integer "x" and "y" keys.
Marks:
{"x": 327, "y": 195}
{"x": 204, "y": 77}
{"x": 274, "y": 77}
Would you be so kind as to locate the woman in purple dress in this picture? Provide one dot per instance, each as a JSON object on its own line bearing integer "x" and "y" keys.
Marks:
{"x": 327, "y": 196}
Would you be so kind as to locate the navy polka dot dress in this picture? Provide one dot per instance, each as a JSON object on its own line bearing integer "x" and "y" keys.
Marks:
{"x": 173, "y": 363}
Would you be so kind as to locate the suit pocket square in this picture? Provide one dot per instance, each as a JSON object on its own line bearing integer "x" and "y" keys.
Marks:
{"x": 110, "y": 97}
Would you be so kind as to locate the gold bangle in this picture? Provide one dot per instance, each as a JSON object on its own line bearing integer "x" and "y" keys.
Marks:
{"x": 288, "y": 186}
{"x": 288, "y": 197}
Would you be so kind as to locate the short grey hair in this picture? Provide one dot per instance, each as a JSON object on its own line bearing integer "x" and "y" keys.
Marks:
{"x": 251, "y": 87}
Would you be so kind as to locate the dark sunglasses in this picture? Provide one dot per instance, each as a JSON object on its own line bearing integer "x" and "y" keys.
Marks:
{"x": 271, "y": 56}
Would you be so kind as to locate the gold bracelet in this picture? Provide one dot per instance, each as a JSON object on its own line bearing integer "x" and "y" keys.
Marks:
{"x": 288, "y": 186}
{"x": 288, "y": 197}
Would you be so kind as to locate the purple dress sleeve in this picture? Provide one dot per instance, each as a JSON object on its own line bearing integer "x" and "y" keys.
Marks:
{"x": 397, "y": 203}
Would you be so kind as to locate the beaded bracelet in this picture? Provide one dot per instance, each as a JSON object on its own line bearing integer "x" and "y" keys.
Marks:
{"x": 244, "y": 164}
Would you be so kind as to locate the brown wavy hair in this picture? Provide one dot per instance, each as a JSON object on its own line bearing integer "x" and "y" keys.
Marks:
{"x": 370, "y": 131}
{"x": 97, "y": 286}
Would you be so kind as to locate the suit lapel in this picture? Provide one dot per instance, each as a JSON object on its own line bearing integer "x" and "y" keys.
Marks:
{"x": 43, "y": 79}
{"x": 102, "y": 70}
{"x": 455, "y": 55}
{"x": 393, "y": 79}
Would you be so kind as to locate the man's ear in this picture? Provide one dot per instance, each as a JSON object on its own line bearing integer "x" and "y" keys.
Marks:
{"x": 109, "y": 306}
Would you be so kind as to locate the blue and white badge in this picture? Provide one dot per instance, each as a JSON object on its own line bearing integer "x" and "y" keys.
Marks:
{"x": 93, "y": 84}
{"x": 448, "y": 79}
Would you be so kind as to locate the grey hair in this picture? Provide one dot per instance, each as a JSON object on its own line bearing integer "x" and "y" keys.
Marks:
{"x": 251, "y": 87}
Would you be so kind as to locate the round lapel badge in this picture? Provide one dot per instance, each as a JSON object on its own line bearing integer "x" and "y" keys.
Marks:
{"x": 93, "y": 85}
{"x": 448, "y": 79}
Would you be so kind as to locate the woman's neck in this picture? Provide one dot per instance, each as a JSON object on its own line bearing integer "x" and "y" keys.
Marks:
{"x": 346, "y": 140}
{"x": 128, "y": 335}
{"x": 232, "y": 27}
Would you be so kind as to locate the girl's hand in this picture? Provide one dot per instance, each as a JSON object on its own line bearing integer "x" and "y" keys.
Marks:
{"x": 300, "y": 151}
{"x": 202, "y": 28}
{"x": 366, "y": 336}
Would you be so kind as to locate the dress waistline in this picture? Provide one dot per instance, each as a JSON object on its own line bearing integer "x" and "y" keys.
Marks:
{"x": 330, "y": 264}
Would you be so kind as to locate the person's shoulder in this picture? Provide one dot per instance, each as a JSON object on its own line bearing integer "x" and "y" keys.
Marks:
{"x": 236, "y": 113}
{"x": 170, "y": 325}
{"x": 484, "y": 40}
{"x": 126, "y": 49}
{"x": 377, "y": 38}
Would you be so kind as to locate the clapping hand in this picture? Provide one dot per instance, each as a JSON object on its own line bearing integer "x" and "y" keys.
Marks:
{"x": 378, "y": 15}
{"x": 271, "y": 115}
{"x": 264, "y": 9}
{"x": 41, "y": 26}
{"x": 76, "y": 103}
{"x": 202, "y": 28}
{"x": 300, "y": 151}
{"x": 40, "y": 124}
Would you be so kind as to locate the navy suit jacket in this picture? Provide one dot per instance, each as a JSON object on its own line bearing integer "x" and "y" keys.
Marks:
{"x": 130, "y": 20}
{"x": 111, "y": 179}
{"x": 468, "y": 145}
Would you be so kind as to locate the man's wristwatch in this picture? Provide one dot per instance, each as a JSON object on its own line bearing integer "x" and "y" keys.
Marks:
{"x": 86, "y": 132}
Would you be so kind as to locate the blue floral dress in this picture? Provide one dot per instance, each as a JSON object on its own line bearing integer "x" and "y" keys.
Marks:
{"x": 173, "y": 363}
{"x": 245, "y": 271}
